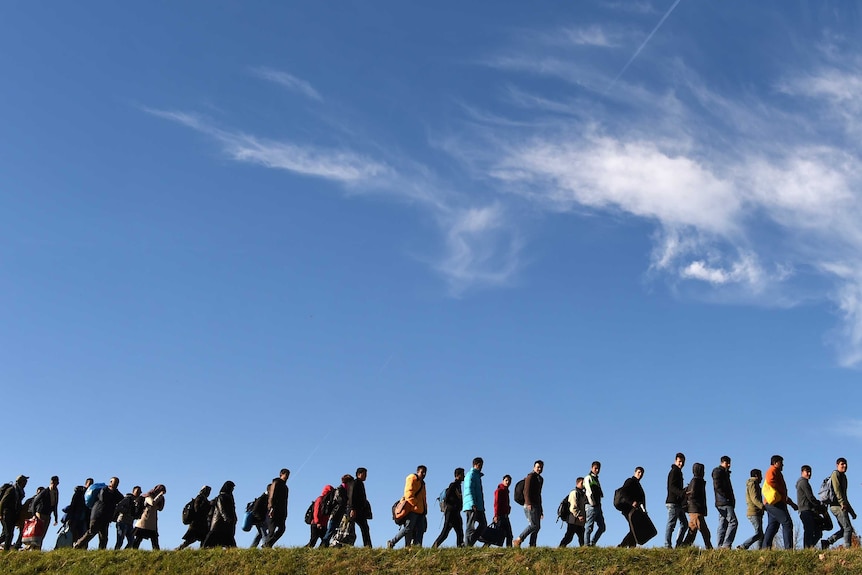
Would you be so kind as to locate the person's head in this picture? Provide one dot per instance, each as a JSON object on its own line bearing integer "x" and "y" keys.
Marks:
{"x": 205, "y": 490}
{"x": 39, "y": 490}
{"x": 21, "y": 481}
{"x": 841, "y": 464}
{"x": 507, "y": 480}
{"x": 55, "y": 481}
{"x": 421, "y": 471}
{"x": 697, "y": 469}
{"x": 725, "y": 461}
{"x": 459, "y": 474}
{"x": 284, "y": 474}
{"x": 361, "y": 473}
{"x": 595, "y": 467}
{"x": 227, "y": 487}
{"x": 579, "y": 482}
{"x": 639, "y": 472}
{"x": 679, "y": 461}
{"x": 777, "y": 462}
{"x": 136, "y": 490}
{"x": 88, "y": 482}
{"x": 478, "y": 463}
{"x": 113, "y": 483}
{"x": 806, "y": 471}
{"x": 757, "y": 474}
{"x": 538, "y": 466}
{"x": 346, "y": 479}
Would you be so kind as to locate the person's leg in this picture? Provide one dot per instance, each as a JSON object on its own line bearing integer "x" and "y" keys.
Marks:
{"x": 591, "y": 521}
{"x": 277, "y": 530}
{"x": 482, "y": 524}
{"x": 569, "y": 535}
{"x": 722, "y": 524}
{"x": 366, "y": 532}
{"x": 600, "y": 524}
{"x": 771, "y": 526}
{"x": 732, "y": 526}
{"x": 704, "y": 531}
{"x": 458, "y": 525}
{"x": 536, "y": 518}
{"x": 470, "y": 532}
{"x": 444, "y": 533}
{"x": 671, "y": 524}
{"x": 756, "y": 522}
{"x": 506, "y": 524}
{"x": 692, "y": 531}
{"x": 808, "y": 528}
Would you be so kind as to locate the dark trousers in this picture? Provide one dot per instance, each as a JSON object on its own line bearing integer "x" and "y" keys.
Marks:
{"x": 8, "y": 520}
{"x": 452, "y": 520}
{"x": 124, "y": 533}
{"x": 476, "y": 524}
{"x": 276, "y": 530}
{"x": 571, "y": 531}
{"x": 363, "y": 528}
{"x": 317, "y": 532}
{"x": 97, "y": 527}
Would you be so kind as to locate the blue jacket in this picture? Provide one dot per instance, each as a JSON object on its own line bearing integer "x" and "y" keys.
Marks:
{"x": 473, "y": 496}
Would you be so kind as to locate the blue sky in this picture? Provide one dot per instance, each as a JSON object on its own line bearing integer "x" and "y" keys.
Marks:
{"x": 237, "y": 237}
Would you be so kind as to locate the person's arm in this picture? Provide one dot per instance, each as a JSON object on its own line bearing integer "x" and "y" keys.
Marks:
{"x": 527, "y": 484}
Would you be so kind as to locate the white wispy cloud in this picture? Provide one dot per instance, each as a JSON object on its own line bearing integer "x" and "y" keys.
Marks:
{"x": 288, "y": 81}
{"x": 481, "y": 248}
{"x": 594, "y": 35}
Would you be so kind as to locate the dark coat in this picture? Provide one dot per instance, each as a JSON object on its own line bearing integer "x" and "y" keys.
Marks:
{"x": 723, "y": 488}
{"x": 278, "y": 495}
{"x": 632, "y": 491}
{"x": 356, "y": 499}
{"x": 696, "y": 500}
{"x": 223, "y": 525}
{"x": 675, "y": 486}
{"x": 105, "y": 505}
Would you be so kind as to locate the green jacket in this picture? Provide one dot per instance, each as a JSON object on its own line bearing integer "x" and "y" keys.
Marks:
{"x": 753, "y": 498}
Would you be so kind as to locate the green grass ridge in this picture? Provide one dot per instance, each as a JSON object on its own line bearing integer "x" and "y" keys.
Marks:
{"x": 358, "y": 561}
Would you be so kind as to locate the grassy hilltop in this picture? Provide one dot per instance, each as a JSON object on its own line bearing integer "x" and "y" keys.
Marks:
{"x": 542, "y": 561}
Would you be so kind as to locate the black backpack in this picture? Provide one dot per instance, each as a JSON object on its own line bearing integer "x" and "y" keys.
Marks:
{"x": 328, "y": 503}
{"x": 564, "y": 510}
{"x": 309, "y": 514}
{"x": 138, "y": 509}
{"x": 519, "y": 492}
{"x": 189, "y": 512}
{"x": 124, "y": 507}
{"x": 621, "y": 503}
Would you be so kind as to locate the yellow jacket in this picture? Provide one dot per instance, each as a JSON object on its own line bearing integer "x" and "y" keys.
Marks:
{"x": 414, "y": 493}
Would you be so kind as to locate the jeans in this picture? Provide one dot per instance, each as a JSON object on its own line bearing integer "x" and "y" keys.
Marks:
{"x": 262, "y": 533}
{"x": 534, "y": 523}
{"x": 675, "y": 513}
{"x": 727, "y": 524}
{"x": 778, "y": 515}
{"x": 845, "y": 528}
{"x": 594, "y": 517}
{"x": 412, "y": 530}
{"x": 757, "y": 523}
{"x": 452, "y": 521}
{"x": 124, "y": 532}
{"x": 476, "y": 524}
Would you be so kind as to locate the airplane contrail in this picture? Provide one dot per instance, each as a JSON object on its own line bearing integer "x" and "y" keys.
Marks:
{"x": 641, "y": 47}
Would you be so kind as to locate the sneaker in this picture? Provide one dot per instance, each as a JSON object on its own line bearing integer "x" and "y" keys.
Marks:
{"x": 390, "y": 544}
{"x": 516, "y": 542}
{"x": 741, "y": 547}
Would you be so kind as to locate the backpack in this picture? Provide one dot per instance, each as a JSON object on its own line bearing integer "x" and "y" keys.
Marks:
{"x": 519, "y": 492}
{"x": 441, "y": 500}
{"x": 139, "y": 506}
{"x": 189, "y": 512}
{"x": 124, "y": 507}
{"x": 92, "y": 494}
{"x": 564, "y": 510}
{"x": 6, "y": 487}
{"x": 621, "y": 503}
{"x": 309, "y": 514}
{"x": 826, "y": 494}
{"x": 328, "y": 503}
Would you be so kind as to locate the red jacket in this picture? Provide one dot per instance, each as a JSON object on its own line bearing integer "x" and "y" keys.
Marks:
{"x": 319, "y": 518}
{"x": 502, "y": 507}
